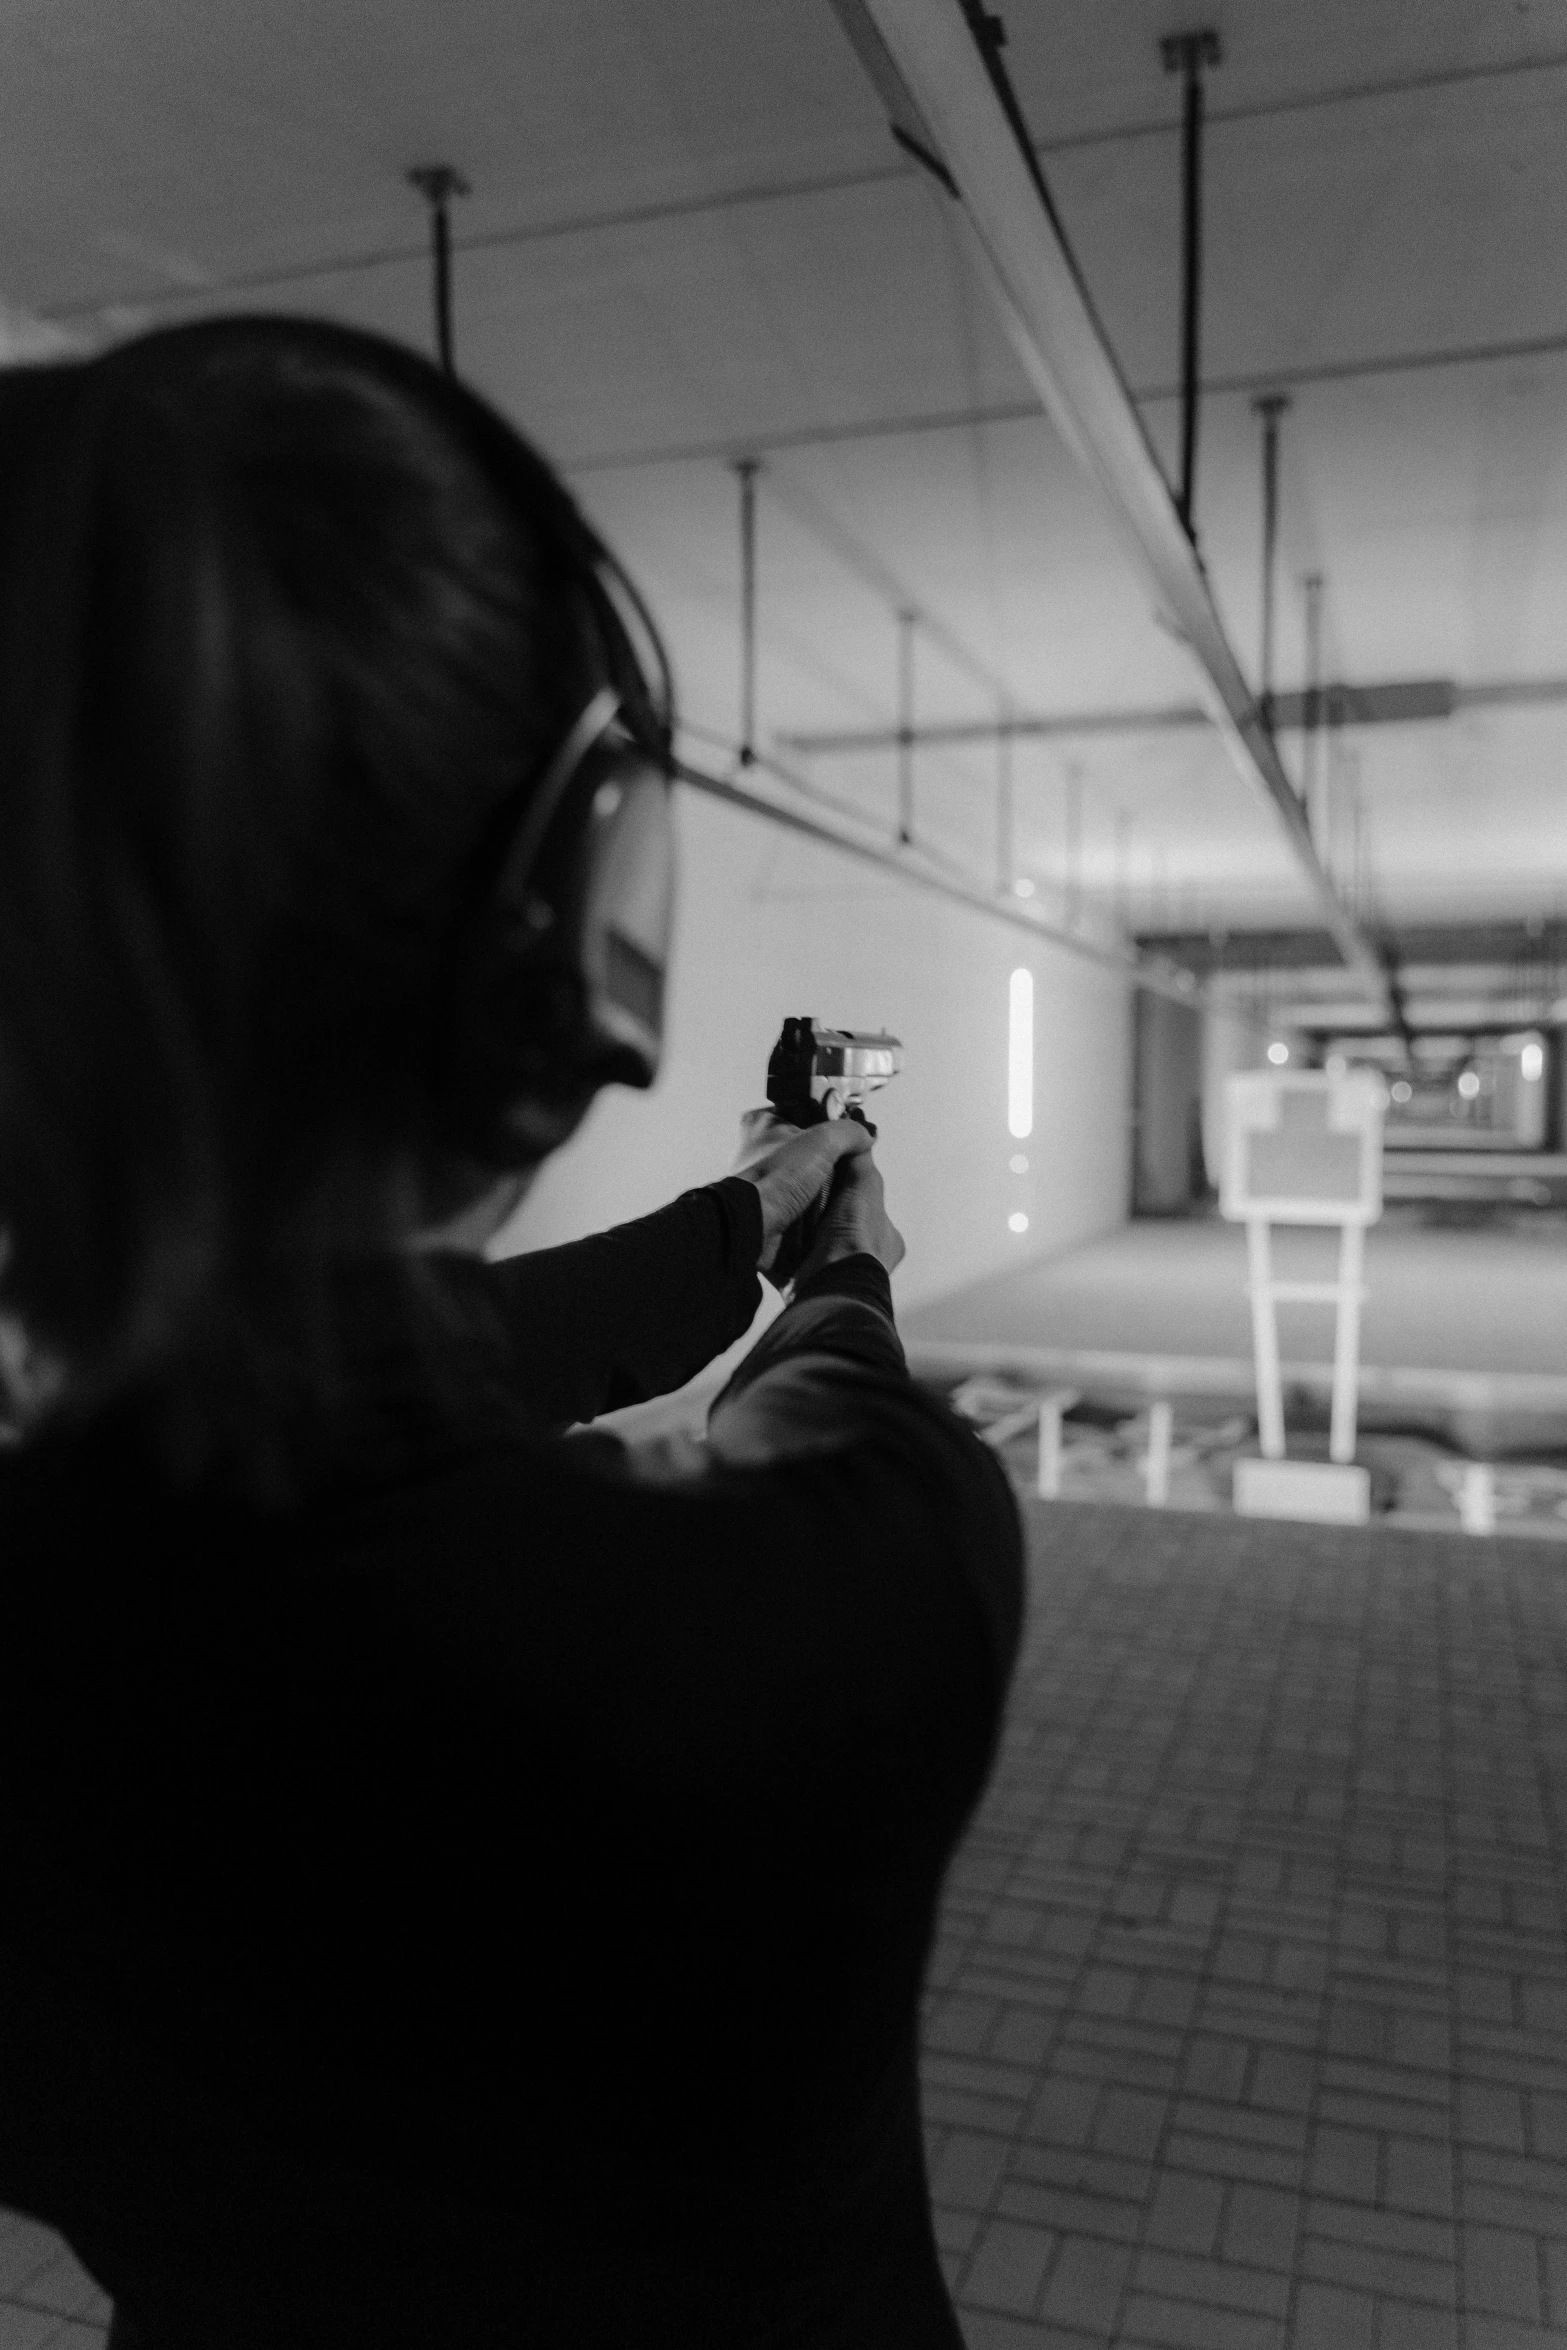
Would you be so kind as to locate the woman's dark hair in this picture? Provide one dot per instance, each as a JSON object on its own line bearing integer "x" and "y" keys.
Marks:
{"x": 285, "y": 617}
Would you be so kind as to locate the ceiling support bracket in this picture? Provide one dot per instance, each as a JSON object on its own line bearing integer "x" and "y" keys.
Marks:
{"x": 1270, "y": 407}
{"x": 1313, "y": 767}
{"x": 747, "y": 469}
{"x": 953, "y": 92}
{"x": 1188, "y": 54}
{"x": 907, "y": 622}
{"x": 438, "y": 183}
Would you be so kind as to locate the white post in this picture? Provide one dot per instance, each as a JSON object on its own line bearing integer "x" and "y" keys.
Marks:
{"x": 1049, "y": 1479}
{"x": 1346, "y": 1343}
{"x": 1156, "y": 1465}
{"x": 1477, "y": 1498}
{"x": 1265, "y": 1341}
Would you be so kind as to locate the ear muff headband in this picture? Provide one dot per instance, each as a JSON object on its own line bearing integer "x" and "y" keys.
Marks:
{"x": 556, "y": 974}
{"x": 523, "y": 849}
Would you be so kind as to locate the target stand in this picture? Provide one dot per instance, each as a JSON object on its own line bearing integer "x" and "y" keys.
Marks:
{"x": 1304, "y": 1148}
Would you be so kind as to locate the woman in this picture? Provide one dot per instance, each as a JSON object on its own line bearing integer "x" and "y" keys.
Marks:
{"x": 460, "y": 1882}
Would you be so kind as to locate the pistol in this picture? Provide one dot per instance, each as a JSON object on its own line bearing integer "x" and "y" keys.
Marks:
{"x": 816, "y": 1073}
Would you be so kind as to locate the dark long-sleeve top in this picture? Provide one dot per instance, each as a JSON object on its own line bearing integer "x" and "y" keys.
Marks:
{"x": 488, "y": 1903}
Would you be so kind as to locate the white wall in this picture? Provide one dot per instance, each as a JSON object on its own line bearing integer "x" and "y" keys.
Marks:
{"x": 771, "y": 925}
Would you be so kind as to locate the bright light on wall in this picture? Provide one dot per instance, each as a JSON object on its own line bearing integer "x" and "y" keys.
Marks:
{"x": 1020, "y": 1056}
{"x": 1278, "y": 1054}
{"x": 1531, "y": 1063}
{"x": 1017, "y": 1221}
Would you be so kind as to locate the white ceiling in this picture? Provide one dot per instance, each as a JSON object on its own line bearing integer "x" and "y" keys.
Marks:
{"x": 691, "y": 239}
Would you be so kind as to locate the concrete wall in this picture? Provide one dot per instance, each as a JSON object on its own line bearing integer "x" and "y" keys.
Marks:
{"x": 769, "y": 925}
{"x": 1170, "y": 1163}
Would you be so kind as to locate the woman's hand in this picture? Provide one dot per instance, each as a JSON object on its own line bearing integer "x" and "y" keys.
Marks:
{"x": 855, "y": 1221}
{"x": 793, "y": 1167}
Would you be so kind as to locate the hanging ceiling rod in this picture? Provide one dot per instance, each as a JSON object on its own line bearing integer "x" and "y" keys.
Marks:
{"x": 438, "y": 183}
{"x": 945, "y": 89}
{"x": 1151, "y": 972}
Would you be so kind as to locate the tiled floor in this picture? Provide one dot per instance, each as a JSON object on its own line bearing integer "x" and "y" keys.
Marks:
{"x": 1249, "y": 2019}
{"x": 1248, "y": 2026}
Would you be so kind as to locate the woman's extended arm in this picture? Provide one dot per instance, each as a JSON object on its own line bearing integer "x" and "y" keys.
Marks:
{"x": 633, "y": 1312}
{"x": 637, "y": 1311}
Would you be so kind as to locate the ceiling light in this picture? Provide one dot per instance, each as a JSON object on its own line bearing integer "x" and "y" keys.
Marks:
{"x": 1403, "y": 1091}
{"x": 1017, "y": 1221}
{"x": 1023, "y": 889}
{"x": 1531, "y": 1063}
{"x": 1018, "y": 1164}
{"x": 1278, "y": 1054}
{"x": 1020, "y": 1055}
{"x": 1469, "y": 1085}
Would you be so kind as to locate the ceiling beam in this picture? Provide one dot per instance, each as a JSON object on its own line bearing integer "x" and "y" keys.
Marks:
{"x": 1039, "y": 727}
{"x": 1400, "y": 702}
{"x": 1504, "y": 945}
{"x": 1499, "y": 1012}
{"x": 926, "y": 65}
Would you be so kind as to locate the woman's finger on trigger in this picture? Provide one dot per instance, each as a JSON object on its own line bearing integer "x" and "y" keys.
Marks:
{"x": 849, "y": 1138}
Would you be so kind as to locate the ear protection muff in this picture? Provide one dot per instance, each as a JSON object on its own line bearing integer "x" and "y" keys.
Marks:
{"x": 556, "y": 974}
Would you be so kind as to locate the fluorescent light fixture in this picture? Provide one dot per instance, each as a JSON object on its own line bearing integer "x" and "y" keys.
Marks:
{"x": 1278, "y": 1054}
{"x": 1531, "y": 1063}
{"x": 1020, "y": 1057}
{"x": 1017, "y": 1221}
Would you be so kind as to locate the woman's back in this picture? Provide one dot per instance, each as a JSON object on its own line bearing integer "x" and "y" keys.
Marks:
{"x": 458, "y": 1880}
{"x": 519, "y": 1850}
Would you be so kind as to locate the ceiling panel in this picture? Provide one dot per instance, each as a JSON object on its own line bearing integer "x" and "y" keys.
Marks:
{"x": 1425, "y": 221}
{"x": 154, "y": 144}
{"x": 690, "y": 239}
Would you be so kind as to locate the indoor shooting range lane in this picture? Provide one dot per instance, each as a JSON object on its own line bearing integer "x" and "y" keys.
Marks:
{"x": 1486, "y": 1301}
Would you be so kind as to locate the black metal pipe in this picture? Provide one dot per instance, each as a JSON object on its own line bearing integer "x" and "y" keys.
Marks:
{"x": 747, "y": 469}
{"x": 1191, "y": 288}
{"x": 438, "y": 183}
{"x": 443, "y": 288}
{"x": 1187, "y": 54}
{"x": 906, "y": 626}
{"x": 1270, "y": 408}
{"x": 1312, "y": 780}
